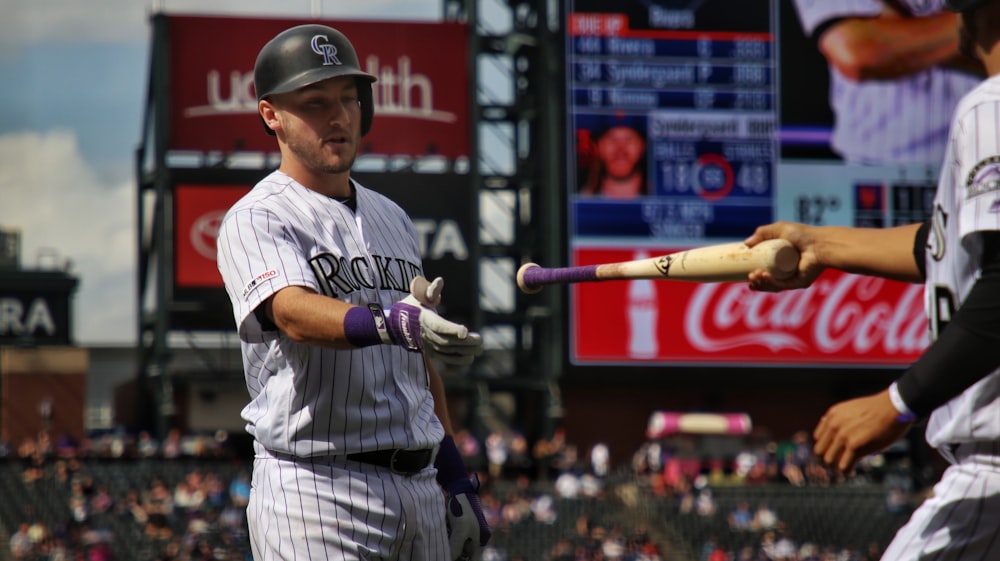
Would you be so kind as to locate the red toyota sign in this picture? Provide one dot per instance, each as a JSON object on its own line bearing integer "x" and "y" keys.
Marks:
{"x": 198, "y": 213}
{"x": 420, "y": 98}
{"x": 842, "y": 319}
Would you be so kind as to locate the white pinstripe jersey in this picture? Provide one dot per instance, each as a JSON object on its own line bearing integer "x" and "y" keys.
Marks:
{"x": 967, "y": 202}
{"x": 308, "y": 400}
{"x": 891, "y": 121}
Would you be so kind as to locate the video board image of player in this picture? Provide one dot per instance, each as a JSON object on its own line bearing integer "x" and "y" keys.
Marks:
{"x": 611, "y": 156}
{"x": 870, "y": 82}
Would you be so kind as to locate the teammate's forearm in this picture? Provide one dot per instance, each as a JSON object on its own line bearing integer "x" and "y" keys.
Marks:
{"x": 880, "y": 252}
{"x": 886, "y": 48}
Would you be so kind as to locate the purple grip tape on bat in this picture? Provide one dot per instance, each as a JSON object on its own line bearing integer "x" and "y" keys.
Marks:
{"x": 537, "y": 276}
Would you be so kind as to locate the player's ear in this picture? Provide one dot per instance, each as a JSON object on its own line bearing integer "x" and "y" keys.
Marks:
{"x": 268, "y": 114}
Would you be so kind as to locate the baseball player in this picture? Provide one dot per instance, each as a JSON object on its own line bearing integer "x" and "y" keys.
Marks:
{"x": 895, "y": 76}
{"x": 957, "y": 380}
{"x": 351, "y": 433}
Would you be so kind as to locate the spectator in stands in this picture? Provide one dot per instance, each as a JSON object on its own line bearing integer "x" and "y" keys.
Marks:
{"x": 600, "y": 459}
{"x": 591, "y": 486}
{"x": 568, "y": 485}
{"x": 791, "y": 471}
{"x": 188, "y": 497}
{"x": 158, "y": 503}
{"x": 172, "y": 446}
{"x": 746, "y": 554}
{"x": 496, "y": 453}
{"x": 704, "y": 503}
{"x": 101, "y": 501}
{"x": 816, "y": 473}
{"x": 130, "y": 507}
{"x": 78, "y": 507}
{"x": 562, "y": 550}
{"x": 741, "y": 518}
{"x": 216, "y": 496}
{"x": 146, "y": 446}
{"x": 764, "y": 518}
{"x": 239, "y": 489}
{"x": 468, "y": 447}
{"x": 758, "y": 473}
{"x": 518, "y": 455}
{"x": 20, "y": 542}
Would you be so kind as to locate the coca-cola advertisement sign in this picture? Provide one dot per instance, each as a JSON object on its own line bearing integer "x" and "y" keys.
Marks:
{"x": 841, "y": 320}
{"x": 420, "y": 98}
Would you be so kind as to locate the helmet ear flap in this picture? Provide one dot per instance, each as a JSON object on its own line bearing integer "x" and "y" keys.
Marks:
{"x": 366, "y": 99}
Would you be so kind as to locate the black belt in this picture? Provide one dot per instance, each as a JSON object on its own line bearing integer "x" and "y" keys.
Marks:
{"x": 405, "y": 462}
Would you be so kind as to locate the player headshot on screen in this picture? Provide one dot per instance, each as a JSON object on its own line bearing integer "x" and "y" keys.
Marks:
{"x": 354, "y": 457}
{"x": 955, "y": 384}
{"x": 895, "y": 76}
{"x": 617, "y": 162}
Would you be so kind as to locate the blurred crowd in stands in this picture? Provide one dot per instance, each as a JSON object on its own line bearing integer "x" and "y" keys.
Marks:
{"x": 196, "y": 510}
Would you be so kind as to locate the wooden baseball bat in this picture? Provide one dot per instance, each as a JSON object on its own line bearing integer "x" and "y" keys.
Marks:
{"x": 727, "y": 262}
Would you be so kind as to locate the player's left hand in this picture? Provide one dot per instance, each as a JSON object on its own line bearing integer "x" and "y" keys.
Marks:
{"x": 468, "y": 530}
{"x": 855, "y": 428}
{"x": 452, "y": 342}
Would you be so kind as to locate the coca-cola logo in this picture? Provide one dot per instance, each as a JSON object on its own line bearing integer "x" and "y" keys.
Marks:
{"x": 838, "y": 314}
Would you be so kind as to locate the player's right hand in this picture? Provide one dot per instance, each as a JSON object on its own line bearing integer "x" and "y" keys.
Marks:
{"x": 809, "y": 265}
{"x": 415, "y": 325}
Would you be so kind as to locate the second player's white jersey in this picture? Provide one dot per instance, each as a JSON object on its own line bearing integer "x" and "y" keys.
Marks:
{"x": 904, "y": 120}
{"x": 308, "y": 400}
{"x": 967, "y": 202}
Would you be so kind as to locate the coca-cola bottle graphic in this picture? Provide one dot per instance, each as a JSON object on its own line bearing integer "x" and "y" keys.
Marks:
{"x": 642, "y": 313}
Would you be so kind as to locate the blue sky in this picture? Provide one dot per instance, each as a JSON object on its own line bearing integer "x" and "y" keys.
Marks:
{"x": 74, "y": 76}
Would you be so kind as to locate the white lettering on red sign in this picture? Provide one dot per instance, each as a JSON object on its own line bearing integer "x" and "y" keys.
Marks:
{"x": 399, "y": 92}
{"x": 844, "y": 313}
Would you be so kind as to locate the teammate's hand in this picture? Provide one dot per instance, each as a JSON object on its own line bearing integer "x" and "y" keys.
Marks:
{"x": 800, "y": 235}
{"x": 852, "y": 429}
{"x": 468, "y": 530}
{"x": 415, "y": 325}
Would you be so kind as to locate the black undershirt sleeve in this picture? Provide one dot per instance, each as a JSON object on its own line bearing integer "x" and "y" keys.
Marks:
{"x": 920, "y": 248}
{"x": 967, "y": 350}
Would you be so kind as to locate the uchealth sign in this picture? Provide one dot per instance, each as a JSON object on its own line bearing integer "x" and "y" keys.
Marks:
{"x": 842, "y": 319}
{"x": 438, "y": 204}
{"x": 420, "y": 98}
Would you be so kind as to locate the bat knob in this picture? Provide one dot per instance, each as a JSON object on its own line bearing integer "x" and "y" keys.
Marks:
{"x": 520, "y": 280}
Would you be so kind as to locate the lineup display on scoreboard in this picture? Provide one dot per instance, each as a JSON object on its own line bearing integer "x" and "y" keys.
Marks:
{"x": 692, "y": 122}
{"x": 673, "y": 128}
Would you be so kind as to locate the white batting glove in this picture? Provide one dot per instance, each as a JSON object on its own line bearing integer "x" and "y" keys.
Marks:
{"x": 468, "y": 530}
{"x": 414, "y": 324}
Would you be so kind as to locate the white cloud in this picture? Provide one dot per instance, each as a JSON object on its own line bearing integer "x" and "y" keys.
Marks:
{"x": 64, "y": 209}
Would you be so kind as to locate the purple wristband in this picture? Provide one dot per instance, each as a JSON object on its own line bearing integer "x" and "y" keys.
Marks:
{"x": 365, "y": 326}
{"x": 449, "y": 463}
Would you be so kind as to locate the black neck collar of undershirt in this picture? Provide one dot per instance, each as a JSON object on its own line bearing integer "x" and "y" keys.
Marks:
{"x": 351, "y": 200}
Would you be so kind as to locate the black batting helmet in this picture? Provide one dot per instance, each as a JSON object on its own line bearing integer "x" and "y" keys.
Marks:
{"x": 963, "y": 5}
{"x": 307, "y": 54}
